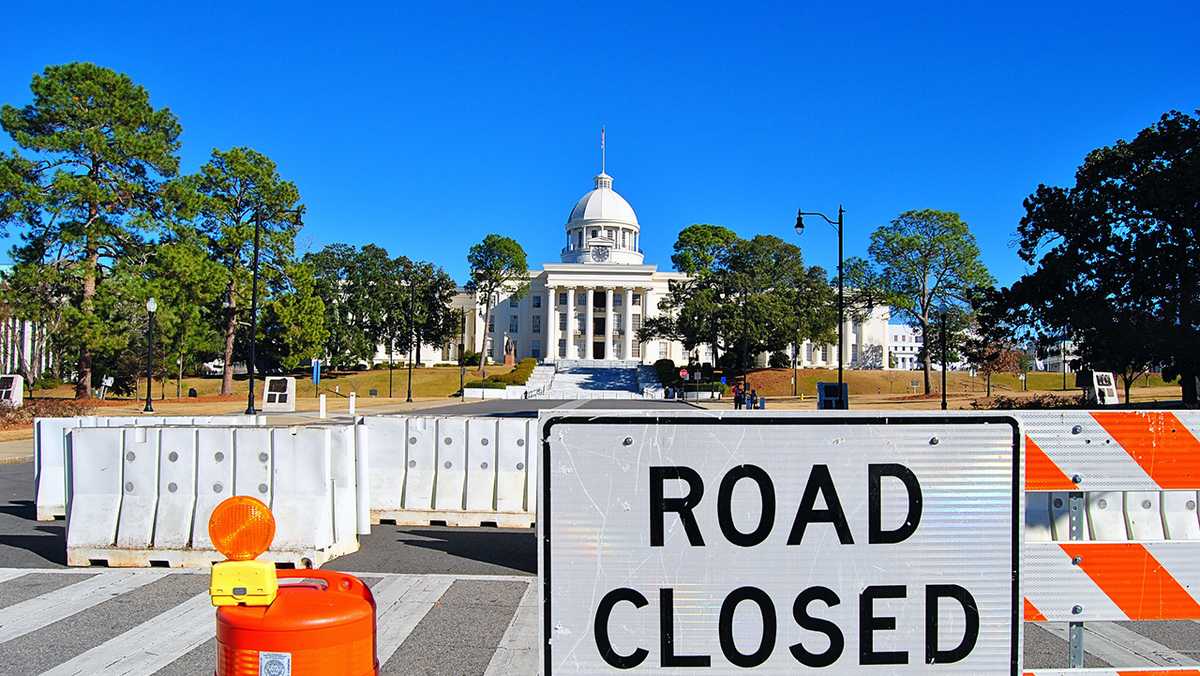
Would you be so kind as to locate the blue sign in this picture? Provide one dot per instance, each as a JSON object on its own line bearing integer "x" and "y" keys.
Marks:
{"x": 722, "y": 380}
{"x": 316, "y": 372}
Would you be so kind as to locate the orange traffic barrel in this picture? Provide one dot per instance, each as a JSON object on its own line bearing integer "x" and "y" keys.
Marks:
{"x": 321, "y": 625}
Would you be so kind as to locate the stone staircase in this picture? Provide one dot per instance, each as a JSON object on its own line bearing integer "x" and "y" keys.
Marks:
{"x": 589, "y": 380}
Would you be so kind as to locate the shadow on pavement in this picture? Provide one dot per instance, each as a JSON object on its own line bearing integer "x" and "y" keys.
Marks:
{"x": 52, "y": 546}
{"x": 439, "y": 549}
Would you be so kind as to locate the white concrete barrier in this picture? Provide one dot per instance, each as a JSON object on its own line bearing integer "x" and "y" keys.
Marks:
{"x": 176, "y": 488}
{"x": 141, "y": 496}
{"x": 454, "y": 470}
{"x": 50, "y": 450}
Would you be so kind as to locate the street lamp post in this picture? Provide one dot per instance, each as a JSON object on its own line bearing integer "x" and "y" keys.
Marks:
{"x": 462, "y": 343}
{"x": 945, "y": 359}
{"x": 412, "y": 338}
{"x": 151, "y": 307}
{"x": 841, "y": 281}
{"x": 253, "y": 316}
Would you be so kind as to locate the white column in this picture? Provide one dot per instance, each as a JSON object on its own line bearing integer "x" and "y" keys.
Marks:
{"x": 570, "y": 310}
{"x": 628, "y": 346}
{"x": 589, "y": 324}
{"x": 608, "y": 323}
{"x": 551, "y": 352}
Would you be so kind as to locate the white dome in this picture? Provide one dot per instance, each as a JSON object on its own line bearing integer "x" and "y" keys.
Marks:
{"x": 603, "y": 204}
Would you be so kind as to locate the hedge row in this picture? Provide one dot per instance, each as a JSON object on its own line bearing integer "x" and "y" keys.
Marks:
{"x": 517, "y": 376}
{"x": 488, "y": 384}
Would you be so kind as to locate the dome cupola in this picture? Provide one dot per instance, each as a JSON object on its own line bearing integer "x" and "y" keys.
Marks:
{"x": 603, "y": 228}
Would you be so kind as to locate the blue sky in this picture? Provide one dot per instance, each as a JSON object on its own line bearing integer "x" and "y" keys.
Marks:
{"x": 423, "y": 128}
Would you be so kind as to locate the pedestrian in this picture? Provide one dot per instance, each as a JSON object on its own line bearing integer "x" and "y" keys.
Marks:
{"x": 753, "y": 399}
{"x": 737, "y": 397}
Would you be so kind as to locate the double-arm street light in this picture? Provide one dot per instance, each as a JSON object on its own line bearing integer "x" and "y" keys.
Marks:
{"x": 151, "y": 308}
{"x": 841, "y": 283}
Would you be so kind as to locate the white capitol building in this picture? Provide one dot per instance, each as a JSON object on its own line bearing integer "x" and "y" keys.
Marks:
{"x": 590, "y": 305}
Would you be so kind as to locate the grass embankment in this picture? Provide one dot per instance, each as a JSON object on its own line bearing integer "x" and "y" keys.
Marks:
{"x": 434, "y": 382}
{"x": 778, "y": 382}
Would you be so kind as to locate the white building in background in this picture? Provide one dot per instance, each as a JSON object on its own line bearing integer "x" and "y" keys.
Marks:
{"x": 590, "y": 304}
{"x": 906, "y": 346}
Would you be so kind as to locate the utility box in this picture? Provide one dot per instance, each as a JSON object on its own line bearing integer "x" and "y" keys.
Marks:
{"x": 12, "y": 390}
{"x": 279, "y": 394}
{"x": 831, "y": 396}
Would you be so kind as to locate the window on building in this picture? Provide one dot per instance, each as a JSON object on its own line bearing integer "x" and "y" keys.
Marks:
{"x": 595, "y": 232}
{"x": 600, "y": 299}
{"x": 491, "y": 323}
{"x": 562, "y": 298}
{"x": 618, "y": 322}
{"x": 536, "y": 351}
{"x": 562, "y": 321}
{"x": 854, "y": 353}
{"x": 808, "y": 351}
{"x": 624, "y": 239}
{"x": 562, "y": 348}
{"x": 637, "y": 299}
{"x": 579, "y": 239}
{"x": 824, "y": 353}
{"x": 537, "y": 301}
{"x": 618, "y": 299}
{"x": 637, "y": 345}
{"x": 512, "y": 301}
{"x": 536, "y": 324}
{"x": 513, "y": 324}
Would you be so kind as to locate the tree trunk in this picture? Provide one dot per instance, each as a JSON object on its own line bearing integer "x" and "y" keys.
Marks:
{"x": 83, "y": 386}
{"x": 1188, "y": 378}
{"x": 179, "y": 378}
{"x": 487, "y": 312}
{"x": 927, "y": 347}
{"x": 1128, "y": 380}
{"x": 417, "y": 340}
{"x": 230, "y": 333}
{"x": 795, "y": 372}
{"x": 391, "y": 366}
{"x": 989, "y": 384}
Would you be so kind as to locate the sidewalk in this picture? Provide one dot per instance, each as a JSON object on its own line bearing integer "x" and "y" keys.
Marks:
{"x": 14, "y": 452}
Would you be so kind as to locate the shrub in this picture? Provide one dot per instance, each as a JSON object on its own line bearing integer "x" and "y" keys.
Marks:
{"x": 1037, "y": 401}
{"x": 488, "y": 384}
{"x": 668, "y": 375}
{"x": 779, "y": 360}
{"x": 470, "y": 358}
{"x": 519, "y": 375}
{"x": 40, "y": 408}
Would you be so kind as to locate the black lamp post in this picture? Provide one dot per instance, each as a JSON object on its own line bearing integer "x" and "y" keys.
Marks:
{"x": 841, "y": 284}
{"x": 151, "y": 307}
{"x": 253, "y": 316}
{"x": 945, "y": 357}
{"x": 462, "y": 344}
{"x": 412, "y": 338}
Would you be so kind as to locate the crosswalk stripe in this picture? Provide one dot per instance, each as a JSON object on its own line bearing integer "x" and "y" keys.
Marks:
{"x": 149, "y": 646}
{"x": 1117, "y": 645}
{"x": 27, "y": 616}
{"x": 409, "y": 603}
{"x": 518, "y": 649}
{"x": 6, "y": 575}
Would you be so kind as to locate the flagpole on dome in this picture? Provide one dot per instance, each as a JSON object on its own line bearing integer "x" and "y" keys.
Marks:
{"x": 602, "y": 158}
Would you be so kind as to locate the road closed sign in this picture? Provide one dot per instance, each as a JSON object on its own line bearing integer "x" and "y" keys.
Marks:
{"x": 800, "y": 543}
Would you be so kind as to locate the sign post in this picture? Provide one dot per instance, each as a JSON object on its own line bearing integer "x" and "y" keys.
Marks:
{"x": 316, "y": 376}
{"x": 786, "y": 544}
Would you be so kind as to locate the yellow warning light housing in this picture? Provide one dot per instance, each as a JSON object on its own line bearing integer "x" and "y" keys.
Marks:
{"x": 243, "y": 583}
{"x": 242, "y": 528}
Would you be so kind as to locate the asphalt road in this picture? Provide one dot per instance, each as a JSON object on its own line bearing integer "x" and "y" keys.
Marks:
{"x": 451, "y": 601}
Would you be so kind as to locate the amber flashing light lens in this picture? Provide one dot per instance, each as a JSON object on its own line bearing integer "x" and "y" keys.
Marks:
{"x": 241, "y": 528}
